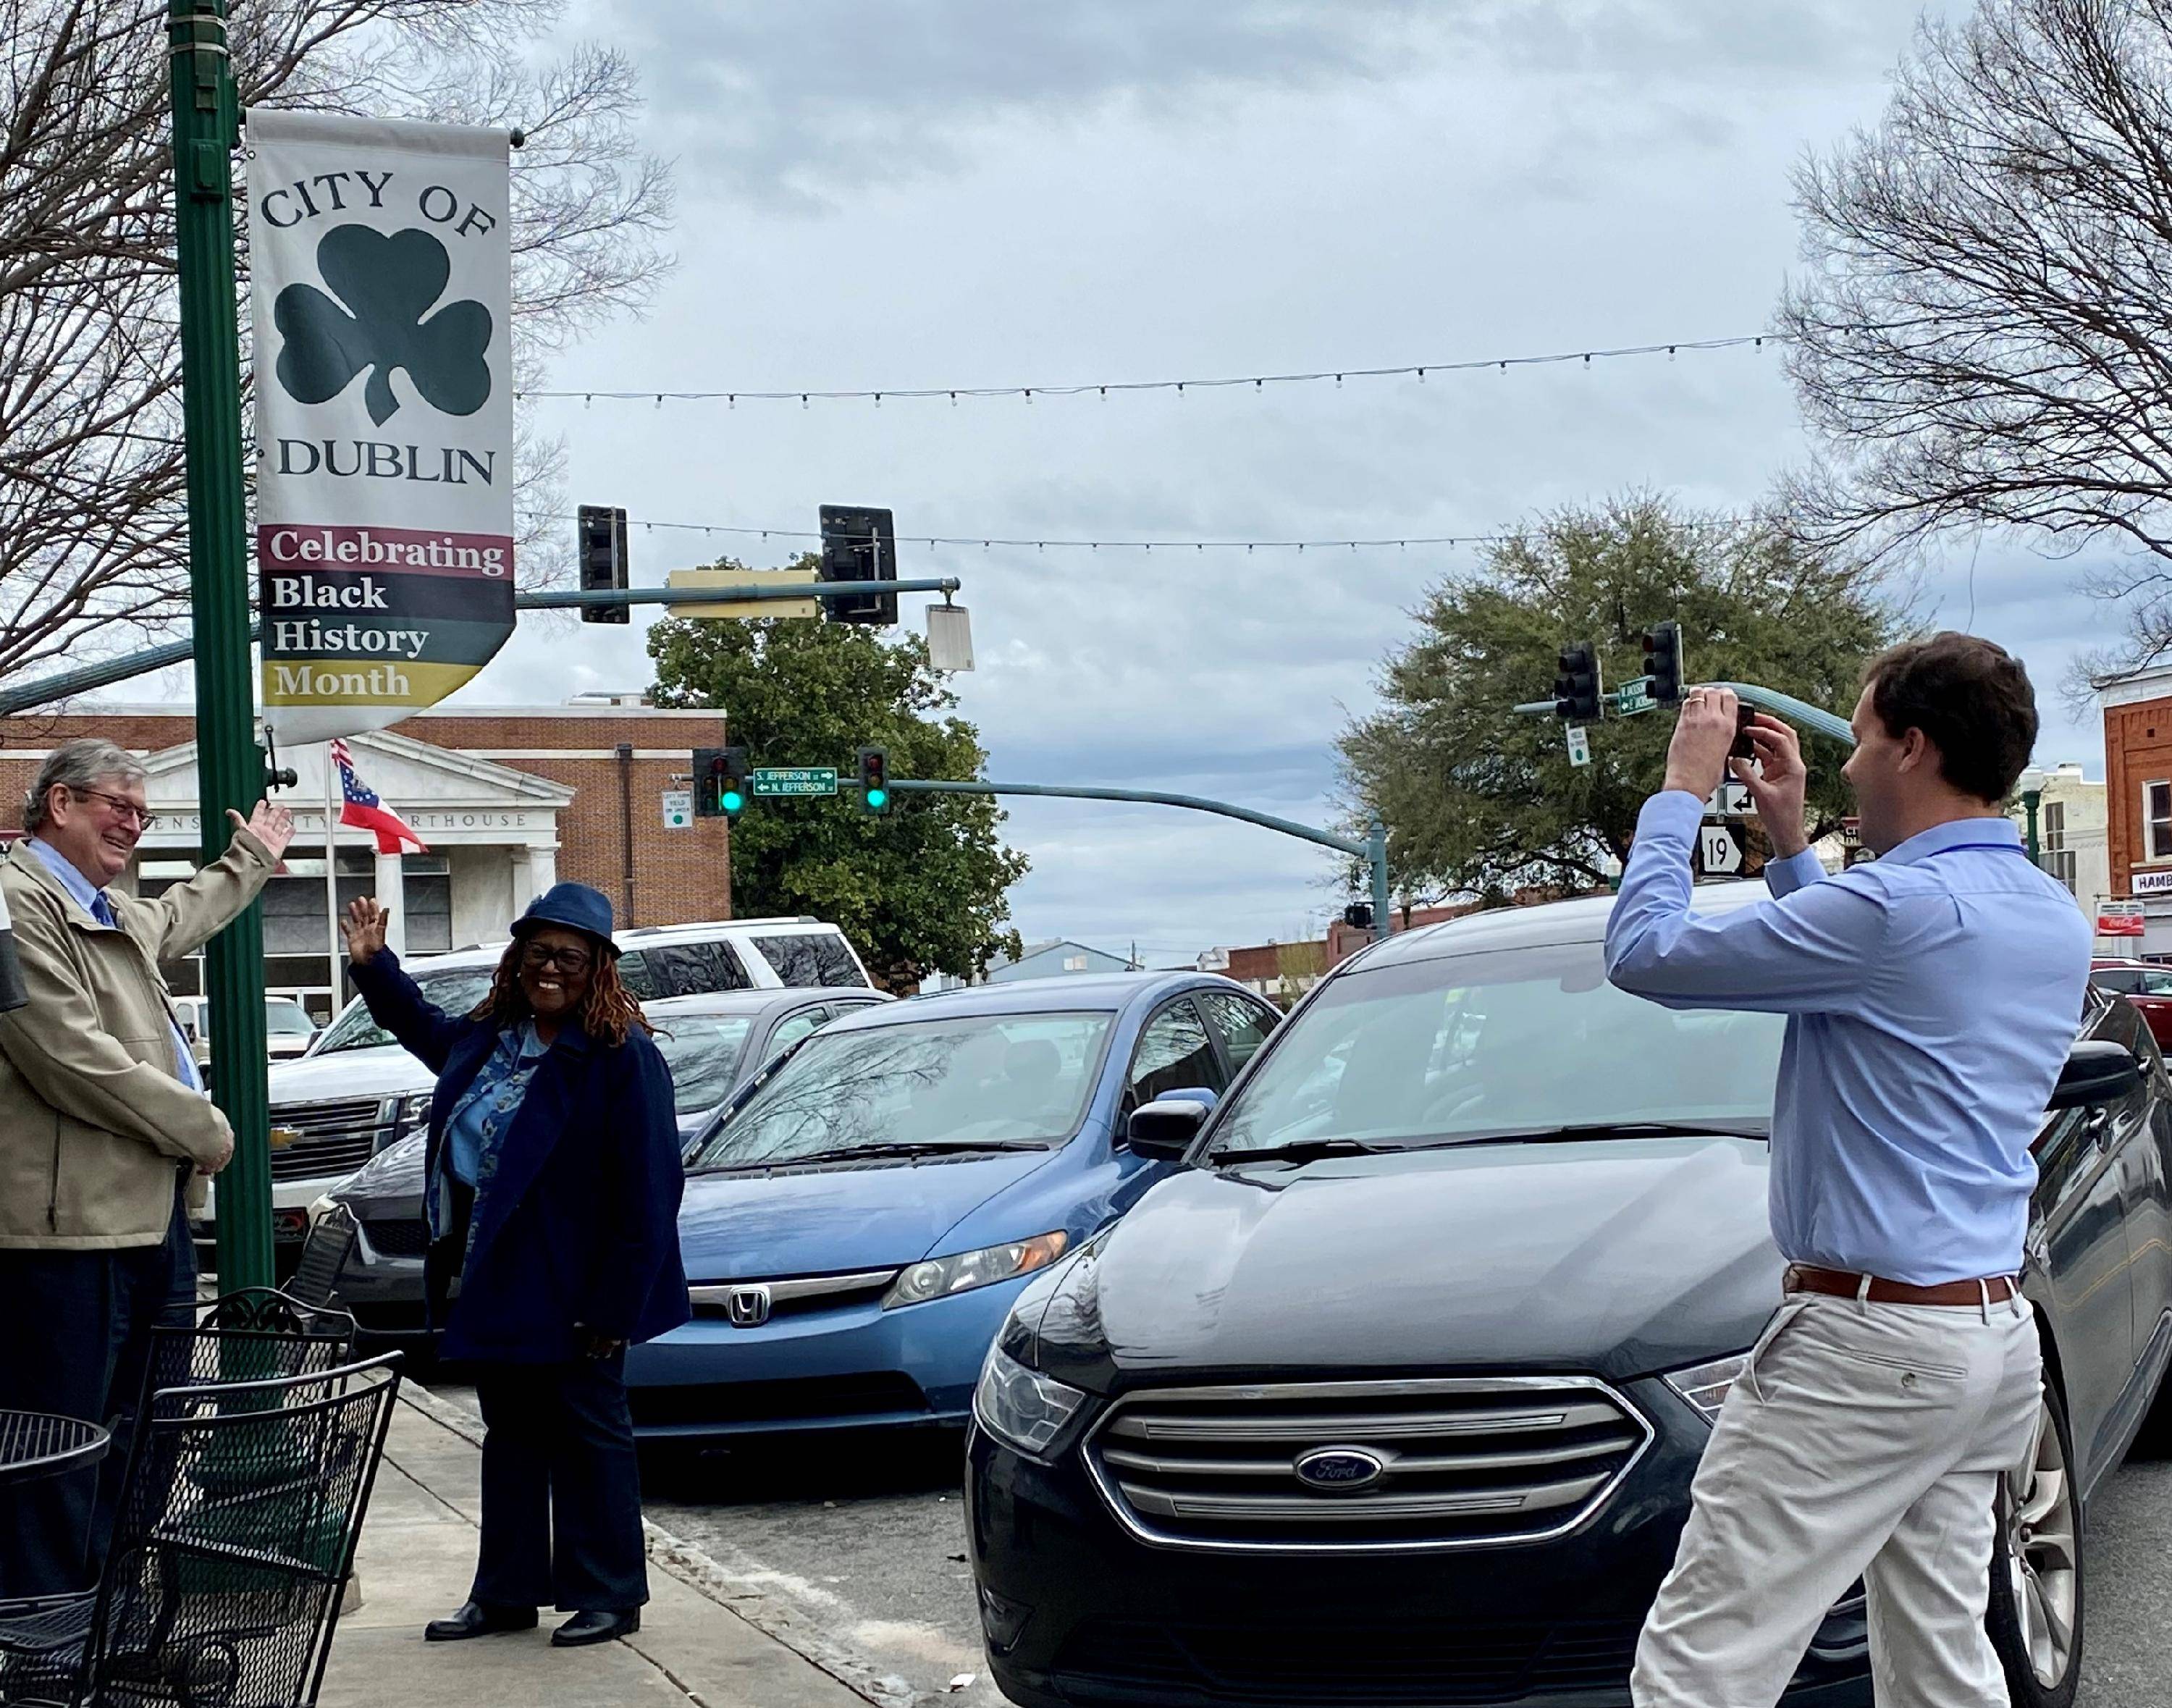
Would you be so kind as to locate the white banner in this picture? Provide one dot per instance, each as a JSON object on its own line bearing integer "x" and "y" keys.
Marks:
{"x": 381, "y": 288}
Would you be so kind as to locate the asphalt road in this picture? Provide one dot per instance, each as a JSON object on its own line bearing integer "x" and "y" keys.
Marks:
{"x": 867, "y": 1538}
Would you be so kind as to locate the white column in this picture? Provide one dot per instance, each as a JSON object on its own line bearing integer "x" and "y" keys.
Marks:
{"x": 524, "y": 878}
{"x": 542, "y": 870}
{"x": 392, "y": 892}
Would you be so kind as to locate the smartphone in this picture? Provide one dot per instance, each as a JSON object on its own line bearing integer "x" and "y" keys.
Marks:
{"x": 1744, "y": 717}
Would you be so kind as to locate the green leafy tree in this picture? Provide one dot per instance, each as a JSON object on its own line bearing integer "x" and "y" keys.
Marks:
{"x": 921, "y": 889}
{"x": 1480, "y": 800}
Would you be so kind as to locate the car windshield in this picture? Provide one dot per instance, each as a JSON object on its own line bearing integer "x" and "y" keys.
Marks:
{"x": 288, "y": 1018}
{"x": 993, "y": 1080}
{"x": 702, "y": 1051}
{"x": 456, "y": 990}
{"x": 1510, "y": 1042}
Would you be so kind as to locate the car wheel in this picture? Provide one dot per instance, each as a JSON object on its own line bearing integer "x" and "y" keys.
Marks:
{"x": 2035, "y": 1615}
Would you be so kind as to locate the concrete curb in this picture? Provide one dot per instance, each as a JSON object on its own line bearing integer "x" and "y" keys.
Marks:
{"x": 735, "y": 1593}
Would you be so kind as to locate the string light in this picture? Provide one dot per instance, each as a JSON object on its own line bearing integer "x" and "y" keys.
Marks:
{"x": 1258, "y": 382}
{"x": 986, "y": 542}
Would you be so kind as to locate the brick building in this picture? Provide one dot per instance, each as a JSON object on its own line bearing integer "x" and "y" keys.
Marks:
{"x": 2137, "y": 725}
{"x": 510, "y": 801}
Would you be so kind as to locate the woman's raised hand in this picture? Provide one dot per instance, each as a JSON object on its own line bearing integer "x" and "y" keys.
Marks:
{"x": 363, "y": 928}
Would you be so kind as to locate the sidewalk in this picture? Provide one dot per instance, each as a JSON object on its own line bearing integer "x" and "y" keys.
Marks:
{"x": 418, "y": 1555}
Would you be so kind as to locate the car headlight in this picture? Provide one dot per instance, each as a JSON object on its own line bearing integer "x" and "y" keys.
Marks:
{"x": 410, "y": 1115}
{"x": 1022, "y": 1408}
{"x": 1705, "y": 1385}
{"x": 938, "y": 1277}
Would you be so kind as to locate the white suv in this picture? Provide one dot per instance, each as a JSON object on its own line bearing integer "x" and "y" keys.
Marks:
{"x": 356, "y": 1091}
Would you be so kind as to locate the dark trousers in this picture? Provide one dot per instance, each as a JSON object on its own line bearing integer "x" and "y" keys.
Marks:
{"x": 78, "y": 1341}
{"x": 561, "y": 1488}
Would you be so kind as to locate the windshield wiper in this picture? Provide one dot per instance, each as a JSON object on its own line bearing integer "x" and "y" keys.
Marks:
{"x": 933, "y": 1147}
{"x": 1303, "y": 1151}
{"x": 1563, "y": 1131}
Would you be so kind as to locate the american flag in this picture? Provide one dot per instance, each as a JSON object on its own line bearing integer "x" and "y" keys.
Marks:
{"x": 359, "y": 805}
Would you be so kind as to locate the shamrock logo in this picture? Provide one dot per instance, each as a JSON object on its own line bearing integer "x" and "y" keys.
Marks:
{"x": 388, "y": 285}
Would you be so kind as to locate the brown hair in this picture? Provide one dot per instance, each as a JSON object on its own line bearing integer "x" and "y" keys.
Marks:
{"x": 1972, "y": 701}
{"x": 608, "y": 1013}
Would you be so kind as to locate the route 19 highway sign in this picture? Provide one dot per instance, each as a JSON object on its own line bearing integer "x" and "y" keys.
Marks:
{"x": 1719, "y": 851}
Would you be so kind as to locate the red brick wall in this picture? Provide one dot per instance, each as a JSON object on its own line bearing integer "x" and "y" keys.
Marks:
{"x": 2137, "y": 751}
{"x": 678, "y": 875}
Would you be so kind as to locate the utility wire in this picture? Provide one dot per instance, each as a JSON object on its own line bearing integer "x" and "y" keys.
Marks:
{"x": 804, "y": 395}
{"x": 991, "y": 541}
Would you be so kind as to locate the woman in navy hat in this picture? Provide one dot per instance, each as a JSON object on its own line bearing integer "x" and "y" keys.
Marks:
{"x": 552, "y": 1183}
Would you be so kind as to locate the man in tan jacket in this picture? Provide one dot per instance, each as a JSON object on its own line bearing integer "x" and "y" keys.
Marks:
{"x": 103, "y": 1125}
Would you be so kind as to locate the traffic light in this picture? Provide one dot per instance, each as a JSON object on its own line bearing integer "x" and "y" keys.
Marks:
{"x": 720, "y": 781}
{"x": 874, "y": 780}
{"x": 859, "y": 544}
{"x": 601, "y": 533}
{"x": 1576, "y": 688}
{"x": 1662, "y": 662}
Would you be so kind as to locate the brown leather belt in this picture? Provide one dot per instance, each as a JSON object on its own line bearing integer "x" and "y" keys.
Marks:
{"x": 1808, "y": 1278}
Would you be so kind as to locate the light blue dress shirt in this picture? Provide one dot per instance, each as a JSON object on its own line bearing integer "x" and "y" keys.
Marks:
{"x": 93, "y": 901}
{"x": 1932, "y": 997}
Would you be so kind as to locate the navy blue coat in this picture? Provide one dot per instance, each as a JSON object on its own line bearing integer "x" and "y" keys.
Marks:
{"x": 579, "y": 1224}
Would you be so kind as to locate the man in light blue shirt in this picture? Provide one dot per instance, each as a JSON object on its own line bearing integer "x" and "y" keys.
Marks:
{"x": 1933, "y": 996}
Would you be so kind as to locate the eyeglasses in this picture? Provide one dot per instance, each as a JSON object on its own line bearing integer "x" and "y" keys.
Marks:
{"x": 567, "y": 960}
{"x": 125, "y": 810}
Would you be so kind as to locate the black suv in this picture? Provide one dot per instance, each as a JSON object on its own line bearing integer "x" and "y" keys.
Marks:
{"x": 1395, "y": 1394}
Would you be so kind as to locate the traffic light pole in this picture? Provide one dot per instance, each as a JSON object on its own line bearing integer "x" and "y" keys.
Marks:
{"x": 1372, "y": 850}
{"x": 1771, "y": 699}
{"x": 230, "y": 770}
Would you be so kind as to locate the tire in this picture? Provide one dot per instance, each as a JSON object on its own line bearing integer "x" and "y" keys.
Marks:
{"x": 2036, "y": 1569}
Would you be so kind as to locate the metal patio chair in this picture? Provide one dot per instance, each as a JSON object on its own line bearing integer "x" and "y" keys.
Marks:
{"x": 235, "y": 1541}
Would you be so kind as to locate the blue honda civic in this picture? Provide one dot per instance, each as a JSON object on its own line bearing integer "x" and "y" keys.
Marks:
{"x": 857, "y": 1221}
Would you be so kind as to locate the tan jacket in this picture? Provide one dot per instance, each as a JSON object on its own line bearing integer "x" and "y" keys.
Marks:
{"x": 93, "y": 1121}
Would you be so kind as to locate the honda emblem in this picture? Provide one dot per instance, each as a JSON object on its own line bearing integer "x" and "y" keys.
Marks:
{"x": 747, "y": 1307}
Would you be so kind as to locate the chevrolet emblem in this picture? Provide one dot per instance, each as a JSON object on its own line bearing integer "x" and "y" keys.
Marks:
{"x": 281, "y": 1137}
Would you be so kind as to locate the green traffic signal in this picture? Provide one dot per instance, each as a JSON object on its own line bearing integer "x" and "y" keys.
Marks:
{"x": 877, "y": 799}
{"x": 732, "y": 801}
{"x": 874, "y": 780}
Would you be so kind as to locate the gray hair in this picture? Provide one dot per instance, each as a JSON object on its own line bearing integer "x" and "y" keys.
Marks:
{"x": 78, "y": 765}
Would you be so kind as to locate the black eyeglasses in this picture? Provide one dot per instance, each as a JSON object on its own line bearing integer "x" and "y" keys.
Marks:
{"x": 567, "y": 960}
{"x": 125, "y": 809}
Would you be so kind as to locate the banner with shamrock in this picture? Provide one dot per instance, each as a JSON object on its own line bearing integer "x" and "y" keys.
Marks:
{"x": 381, "y": 289}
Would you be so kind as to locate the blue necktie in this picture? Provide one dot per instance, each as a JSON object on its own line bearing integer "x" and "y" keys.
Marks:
{"x": 101, "y": 909}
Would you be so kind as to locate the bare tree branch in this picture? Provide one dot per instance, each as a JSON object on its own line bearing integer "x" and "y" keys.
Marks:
{"x": 1985, "y": 334}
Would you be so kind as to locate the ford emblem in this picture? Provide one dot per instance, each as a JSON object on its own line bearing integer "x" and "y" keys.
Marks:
{"x": 1339, "y": 1469}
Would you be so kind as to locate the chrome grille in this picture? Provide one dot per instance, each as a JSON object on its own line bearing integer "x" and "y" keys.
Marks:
{"x": 795, "y": 1294}
{"x": 1463, "y": 1462}
{"x": 330, "y": 1138}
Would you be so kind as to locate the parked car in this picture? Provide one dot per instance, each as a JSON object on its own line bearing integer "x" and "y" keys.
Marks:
{"x": 713, "y": 1044}
{"x": 855, "y": 1227}
{"x": 2146, "y": 985}
{"x": 356, "y": 1091}
{"x": 288, "y": 1030}
{"x": 1394, "y": 1391}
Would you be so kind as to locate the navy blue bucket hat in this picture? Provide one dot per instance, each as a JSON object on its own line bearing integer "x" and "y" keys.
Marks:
{"x": 574, "y": 904}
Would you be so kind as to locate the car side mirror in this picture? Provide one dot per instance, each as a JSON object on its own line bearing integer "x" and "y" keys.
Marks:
{"x": 1163, "y": 1131}
{"x": 2097, "y": 1071}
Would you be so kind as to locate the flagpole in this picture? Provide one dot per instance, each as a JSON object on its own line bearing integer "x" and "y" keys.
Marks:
{"x": 331, "y": 876}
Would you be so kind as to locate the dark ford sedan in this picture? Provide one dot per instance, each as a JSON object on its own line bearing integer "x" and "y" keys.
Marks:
{"x": 1393, "y": 1395}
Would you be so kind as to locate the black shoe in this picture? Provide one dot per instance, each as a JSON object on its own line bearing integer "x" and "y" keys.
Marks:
{"x": 585, "y": 1628}
{"x": 479, "y": 1618}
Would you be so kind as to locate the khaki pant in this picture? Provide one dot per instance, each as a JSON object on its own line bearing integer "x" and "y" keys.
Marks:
{"x": 1864, "y": 1440}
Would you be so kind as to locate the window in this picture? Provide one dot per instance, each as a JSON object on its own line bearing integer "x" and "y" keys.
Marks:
{"x": 1074, "y": 964}
{"x": 1173, "y": 1054}
{"x": 2125, "y": 980}
{"x": 1242, "y": 1026}
{"x": 426, "y": 888}
{"x": 796, "y": 1027}
{"x": 2157, "y": 821}
{"x": 456, "y": 990}
{"x": 690, "y": 969}
{"x": 807, "y": 960}
{"x": 993, "y": 1080}
{"x": 702, "y": 1051}
{"x": 2055, "y": 855}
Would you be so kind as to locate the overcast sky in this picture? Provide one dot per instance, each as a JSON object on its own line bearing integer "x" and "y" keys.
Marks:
{"x": 979, "y": 193}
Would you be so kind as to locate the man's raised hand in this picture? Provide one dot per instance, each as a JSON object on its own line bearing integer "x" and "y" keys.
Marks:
{"x": 272, "y": 825}
{"x": 1778, "y": 791}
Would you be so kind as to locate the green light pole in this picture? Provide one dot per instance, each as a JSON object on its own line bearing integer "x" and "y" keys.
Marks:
{"x": 230, "y": 772}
